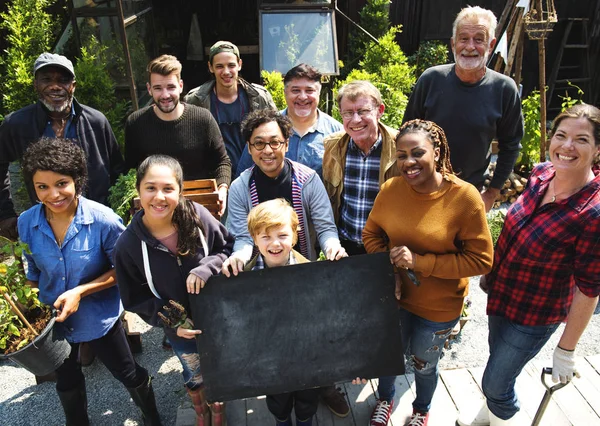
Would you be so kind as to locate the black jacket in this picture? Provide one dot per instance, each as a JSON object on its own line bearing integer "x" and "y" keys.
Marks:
{"x": 94, "y": 135}
{"x": 169, "y": 272}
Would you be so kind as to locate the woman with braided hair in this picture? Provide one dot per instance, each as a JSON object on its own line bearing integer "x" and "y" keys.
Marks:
{"x": 434, "y": 224}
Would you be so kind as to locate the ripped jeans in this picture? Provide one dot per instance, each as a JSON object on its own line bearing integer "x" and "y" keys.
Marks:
{"x": 187, "y": 352}
{"x": 423, "y": 342}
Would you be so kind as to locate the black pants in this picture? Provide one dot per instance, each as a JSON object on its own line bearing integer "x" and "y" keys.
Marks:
{"x": 304, "y": 402}
{"x": 353, "y": 248}
{"x": 114, "y": 352}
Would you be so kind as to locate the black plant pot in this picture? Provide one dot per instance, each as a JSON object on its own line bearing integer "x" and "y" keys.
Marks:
{"x": 44, "y": 355}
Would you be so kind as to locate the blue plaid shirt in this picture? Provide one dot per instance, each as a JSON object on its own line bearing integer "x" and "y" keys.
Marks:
{"x": 361, "y": 186}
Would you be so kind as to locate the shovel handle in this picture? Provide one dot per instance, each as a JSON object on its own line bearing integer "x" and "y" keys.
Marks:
{"x": 547, "y": 371}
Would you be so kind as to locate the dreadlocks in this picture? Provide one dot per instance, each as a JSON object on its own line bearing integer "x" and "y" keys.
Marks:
{"x": 437, "y": 137}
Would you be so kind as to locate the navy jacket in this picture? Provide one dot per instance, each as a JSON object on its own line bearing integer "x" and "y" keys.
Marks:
{"x": 94, "y": 135}
{"x": 169, "y": 271}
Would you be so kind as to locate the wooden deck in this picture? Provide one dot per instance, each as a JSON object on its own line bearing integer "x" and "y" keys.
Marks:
{"x": 577, "y": 404}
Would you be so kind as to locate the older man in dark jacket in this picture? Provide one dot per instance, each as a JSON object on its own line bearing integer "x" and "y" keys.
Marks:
{"x": 57, "y": 114}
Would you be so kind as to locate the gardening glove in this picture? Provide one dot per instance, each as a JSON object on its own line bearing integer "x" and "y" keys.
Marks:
{"x": 563, "y": 365}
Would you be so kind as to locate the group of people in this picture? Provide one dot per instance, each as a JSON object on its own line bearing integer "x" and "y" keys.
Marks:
{"x": 293, "y": 183}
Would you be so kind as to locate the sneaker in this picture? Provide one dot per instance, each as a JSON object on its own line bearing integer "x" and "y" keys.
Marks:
{"x": 381, "y": 413}
{"x": 418, "y": 418}
{"x": 335, "y": 400}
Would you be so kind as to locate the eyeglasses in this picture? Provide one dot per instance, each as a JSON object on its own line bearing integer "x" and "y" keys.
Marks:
{"x": 348, "y": 115}
{"x": 275, "y": 145}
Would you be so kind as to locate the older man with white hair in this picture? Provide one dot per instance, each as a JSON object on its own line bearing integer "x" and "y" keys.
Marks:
{"x": 472, "y": 103}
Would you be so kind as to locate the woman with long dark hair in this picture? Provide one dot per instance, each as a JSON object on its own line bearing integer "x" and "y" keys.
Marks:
{"x": 171, "y": 248}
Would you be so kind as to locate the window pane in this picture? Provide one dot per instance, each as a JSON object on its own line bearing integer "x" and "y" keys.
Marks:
{"x": 291, "y": 38}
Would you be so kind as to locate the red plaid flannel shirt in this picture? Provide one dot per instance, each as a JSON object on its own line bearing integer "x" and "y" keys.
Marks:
{"x": 544, "y": 252}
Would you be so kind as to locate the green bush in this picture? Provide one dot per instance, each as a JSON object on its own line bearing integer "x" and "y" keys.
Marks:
{"x": 386, "y": 66}
{"x": 29, "y": 32}
{"x": 530, "y": 151}
{"x": 273, "y": 82}
{"x": 429, "y": 54}
{"x": 375, "y": 18}
{"x": 121, "y": 195}
{"x": 96, "y": 88}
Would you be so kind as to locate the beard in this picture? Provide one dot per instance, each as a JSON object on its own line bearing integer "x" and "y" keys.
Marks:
{"x": 63, "y": 107}
{"x": 167, "y": 108}
{"x": 303, "y": 112}
{"x": 473, "y": 62}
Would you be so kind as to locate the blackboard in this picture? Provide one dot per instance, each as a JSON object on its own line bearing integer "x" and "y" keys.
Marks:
{"x": 297, "y": 327}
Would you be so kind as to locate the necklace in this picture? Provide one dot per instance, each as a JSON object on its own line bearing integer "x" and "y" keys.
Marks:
{"x": 570, "y": 192}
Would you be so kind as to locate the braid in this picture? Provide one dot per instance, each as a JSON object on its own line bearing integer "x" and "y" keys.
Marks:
{"x": 437, "y": 137}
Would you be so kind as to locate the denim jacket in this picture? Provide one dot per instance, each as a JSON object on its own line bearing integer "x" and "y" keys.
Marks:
{"x": 86, "y": 254}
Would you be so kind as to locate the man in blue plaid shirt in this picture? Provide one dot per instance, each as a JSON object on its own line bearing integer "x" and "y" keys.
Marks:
{"x": 358, "y": 160}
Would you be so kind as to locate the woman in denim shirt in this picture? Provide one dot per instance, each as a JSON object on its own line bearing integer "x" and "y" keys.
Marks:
{"x": 71, "y": 240}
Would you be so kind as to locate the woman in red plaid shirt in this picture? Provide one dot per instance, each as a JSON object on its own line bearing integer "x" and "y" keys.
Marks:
{"x": 547, "y": 263}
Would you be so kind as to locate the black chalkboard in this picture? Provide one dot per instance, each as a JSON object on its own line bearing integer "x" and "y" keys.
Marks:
{"x": 298, "y": 327}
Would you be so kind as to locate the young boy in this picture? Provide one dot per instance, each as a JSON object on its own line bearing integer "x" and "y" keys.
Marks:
{"x": 273, "y": 226}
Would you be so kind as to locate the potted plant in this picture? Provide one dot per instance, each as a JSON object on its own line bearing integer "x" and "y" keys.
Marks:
{"x": 26, "y": 325}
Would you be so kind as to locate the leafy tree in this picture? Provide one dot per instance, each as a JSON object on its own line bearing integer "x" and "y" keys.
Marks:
{"x": 96, "y": 88}
{"x": 29, "y": 32}
{"x": 429, "y": 54}
{"x": 375, "y": 18}
{"x": 273, "y": 82}
{"x": 386, "y": 66}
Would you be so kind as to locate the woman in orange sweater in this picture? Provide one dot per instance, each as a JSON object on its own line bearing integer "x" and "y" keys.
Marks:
{"x": 434, "y": 224}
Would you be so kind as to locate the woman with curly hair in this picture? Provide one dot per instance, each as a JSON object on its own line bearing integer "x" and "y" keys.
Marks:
{"x": 435, "y": 227}
{"x": 72, "y": 240}
{"x": 170, "y": 249}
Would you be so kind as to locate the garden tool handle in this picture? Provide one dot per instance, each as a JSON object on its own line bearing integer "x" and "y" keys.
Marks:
{"x": 547, "y": 371}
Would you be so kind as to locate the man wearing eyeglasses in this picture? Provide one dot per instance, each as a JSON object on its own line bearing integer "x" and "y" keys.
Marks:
{"x": 358, "y": 160}
{"x": 230, "y": 98}
{"x": 274, "y": 176}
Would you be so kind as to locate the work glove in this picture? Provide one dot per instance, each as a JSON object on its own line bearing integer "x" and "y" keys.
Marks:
{"x": 563, "y": 365}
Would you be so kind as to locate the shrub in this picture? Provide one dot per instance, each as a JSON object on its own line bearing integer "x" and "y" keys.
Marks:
{"x": 530, "y": 151}
{"x": 273, "y": 82}
{"x": 386, "y": 66}
{"x": 121, "y": 195}
{"x": 429, "y": 54}
{"x": 96, "y": 88}
{"x": 29, "y": 31}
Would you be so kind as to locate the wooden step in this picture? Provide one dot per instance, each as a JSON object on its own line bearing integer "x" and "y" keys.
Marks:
{"x": 576, "y": 46}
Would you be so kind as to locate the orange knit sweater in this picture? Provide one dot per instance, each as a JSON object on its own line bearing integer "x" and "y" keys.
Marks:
{"x": 448, "y": 233}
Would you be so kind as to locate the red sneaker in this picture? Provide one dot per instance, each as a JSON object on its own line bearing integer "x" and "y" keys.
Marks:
{"x": 381, "y": 413}
{"x": 418, "y": 418}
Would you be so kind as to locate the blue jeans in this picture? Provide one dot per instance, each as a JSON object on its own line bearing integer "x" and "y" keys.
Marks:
{"x": 187, "y": 352}
{"x": 423, "y": 342}
{"x": 511, "y": 347}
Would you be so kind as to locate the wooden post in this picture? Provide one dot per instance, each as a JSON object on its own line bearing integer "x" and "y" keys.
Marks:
{"x": 542, "y": 65}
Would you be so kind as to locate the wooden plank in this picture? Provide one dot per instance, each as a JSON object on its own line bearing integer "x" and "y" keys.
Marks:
{"x": 443, "y": 412}
{"x": 405, "y": 395}
{"x": 257, "y": 413}
{"x": 516, "y": 38}
{"x": 463, "y": 389}
{"x": 594, "y": 361}
{"x": 362, "y": 401}
{"x": 235, "y": 411}
{"x": 588, "y": 384}
{"x": 200, "y": 185}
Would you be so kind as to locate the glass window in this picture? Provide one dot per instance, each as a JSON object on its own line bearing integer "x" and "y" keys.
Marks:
{"x": 289, "y": 38}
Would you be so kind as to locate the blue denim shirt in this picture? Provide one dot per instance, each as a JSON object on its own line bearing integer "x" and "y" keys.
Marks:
{"x": 308, "y": 149}
{"x": 86, "y": 254}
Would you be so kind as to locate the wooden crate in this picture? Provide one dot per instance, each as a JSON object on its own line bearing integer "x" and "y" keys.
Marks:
{"x": 202, "y": 191}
